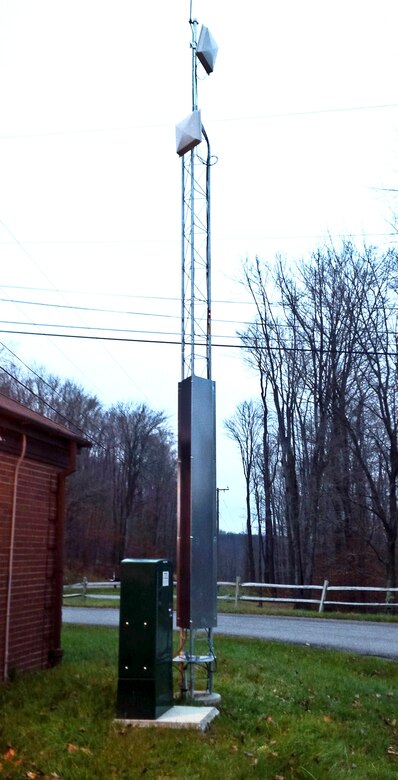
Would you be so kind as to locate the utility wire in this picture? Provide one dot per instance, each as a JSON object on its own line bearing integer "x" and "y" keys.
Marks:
{"x": 247, "y": 347}
{"x": 108, "y": 311}
{"x": 116, "y": 295}
{"x": 53, "y": 389}
{"x": 90, "y": 327}
{"x": 215, "y": 120}
{"x": 46, "y": 277}
{"x": 31, "y": 258}
{"x": 49, "y": 406}
{"x": 89, "y": 308}
{"x": 217, "y": 239}
{"x": 46, "y": 403}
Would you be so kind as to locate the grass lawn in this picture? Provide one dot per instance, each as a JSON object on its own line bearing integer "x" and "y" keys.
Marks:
{"x": 286, "y": 712}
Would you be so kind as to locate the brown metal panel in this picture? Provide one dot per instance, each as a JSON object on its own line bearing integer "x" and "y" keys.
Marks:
{"x": 184, "y": 504}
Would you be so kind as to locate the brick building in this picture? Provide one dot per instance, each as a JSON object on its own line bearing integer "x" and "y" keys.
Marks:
{"x": 36, "y": 456}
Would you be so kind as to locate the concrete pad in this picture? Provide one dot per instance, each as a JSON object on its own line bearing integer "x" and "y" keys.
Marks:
{"x": 177, "y": 717}
{"x": 206, "y": 698}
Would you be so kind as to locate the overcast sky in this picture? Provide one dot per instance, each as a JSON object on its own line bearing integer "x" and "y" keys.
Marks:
{"x": 302, "y": 114}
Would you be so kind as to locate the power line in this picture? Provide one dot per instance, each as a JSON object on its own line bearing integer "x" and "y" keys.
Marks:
{"x": 91, "y": 292}
{"x": 88, "y": 308}
{"x": 281, "y": 326}
{"x": 216, "y": 239}
{"x": 31, "y": 258}
{"x": 99, "y": 328}
{"x": 49, "y": 406}
{"x": 90, "y": 327}
{"x": 87, "y": 337}
{"x": 115, "y": 295}
{"x": 46, "y": 403}
{"x": 215, "y": 120}
{"x": 167, "y": 342}
{"x": 26, "y": 366}
{"x": 46, "y": 277}
{"x": 108, "y": 311}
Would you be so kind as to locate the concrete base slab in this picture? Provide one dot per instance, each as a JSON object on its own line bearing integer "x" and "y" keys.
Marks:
{"x": 204, "y": 697}
{"x": 176, "y": 718}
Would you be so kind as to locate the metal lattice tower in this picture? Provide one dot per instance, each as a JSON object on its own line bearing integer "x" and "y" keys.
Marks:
{"x": 196, "y": 522}
{"x": 196, "y": 265}
{"x": 196, "y": 241}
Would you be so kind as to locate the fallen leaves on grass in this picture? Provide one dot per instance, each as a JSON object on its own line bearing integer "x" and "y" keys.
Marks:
{"x": 269, "y": 749}
{"x": 10, "y": 756}
{"x": 124, "y": 729}
{"x": 12, "y": 760}
{"x": 71, "y": 748}
{"x": 266, "y": 718}
{"x": 252, "y": 757}
{"x": 392, "y": 751}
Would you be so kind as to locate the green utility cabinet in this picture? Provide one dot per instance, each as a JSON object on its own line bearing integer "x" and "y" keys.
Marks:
{"x": 145, "y": 684}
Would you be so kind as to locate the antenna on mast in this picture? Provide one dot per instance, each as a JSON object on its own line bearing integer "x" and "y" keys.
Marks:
{"x": 195, "y": 228}
{"x": 197, "y": 516}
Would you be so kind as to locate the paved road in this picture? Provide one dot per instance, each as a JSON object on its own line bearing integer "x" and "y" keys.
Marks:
{"x": 365, "y": 638}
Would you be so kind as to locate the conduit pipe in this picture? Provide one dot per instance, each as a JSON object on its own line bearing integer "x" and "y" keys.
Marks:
{"x": 56, "y": 650}
{"x": 11, "y": 556}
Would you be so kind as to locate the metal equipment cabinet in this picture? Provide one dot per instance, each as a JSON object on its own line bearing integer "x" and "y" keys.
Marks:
{"x": 145, "y": 684}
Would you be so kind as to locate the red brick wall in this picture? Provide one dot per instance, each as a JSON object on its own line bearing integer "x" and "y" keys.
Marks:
{"x": 32, "y": 601}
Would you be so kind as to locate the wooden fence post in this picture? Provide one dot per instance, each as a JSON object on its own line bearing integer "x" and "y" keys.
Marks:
{"x": 237, "y": 583}
{"x": 323, "y": 596}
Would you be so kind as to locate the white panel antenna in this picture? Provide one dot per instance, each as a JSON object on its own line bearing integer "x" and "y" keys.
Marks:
{"x": 188, "y": 133}
{"x": 207, "y": 49}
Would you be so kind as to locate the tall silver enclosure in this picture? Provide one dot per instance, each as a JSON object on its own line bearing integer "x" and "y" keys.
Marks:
{"x": 197, "y": 520}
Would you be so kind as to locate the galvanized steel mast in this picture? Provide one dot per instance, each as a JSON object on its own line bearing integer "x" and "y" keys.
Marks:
{"x": 195, "y": 245}
{"x": 196, "y": 536}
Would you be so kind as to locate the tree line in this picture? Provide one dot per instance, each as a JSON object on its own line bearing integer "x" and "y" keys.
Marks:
{"x": 122, "y": 498}
{"x": 319, "y": 446}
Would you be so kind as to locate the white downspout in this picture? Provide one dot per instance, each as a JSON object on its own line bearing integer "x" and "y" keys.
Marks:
{"x": 11, "y": 556}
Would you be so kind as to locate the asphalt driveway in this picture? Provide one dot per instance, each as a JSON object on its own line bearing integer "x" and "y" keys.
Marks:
{"x": 362, "y": 637}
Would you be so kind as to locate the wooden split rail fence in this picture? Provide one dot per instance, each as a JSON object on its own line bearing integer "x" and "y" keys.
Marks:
{"x": 237, "y": 590}
{"x": 324, "y": 590}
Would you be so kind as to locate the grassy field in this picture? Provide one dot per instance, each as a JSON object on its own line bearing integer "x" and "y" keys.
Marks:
{"x": 286, "y": 712}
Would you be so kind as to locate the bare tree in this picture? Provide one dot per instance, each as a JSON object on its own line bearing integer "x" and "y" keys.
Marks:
{"x": 322, "y": 341}
{"x": 376, "y": 446}
{"x": 122, "y": 498}
{"x": 245, "y": 429}
{"x": 267, "y": 343}
{"x": 131, "y": 430}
